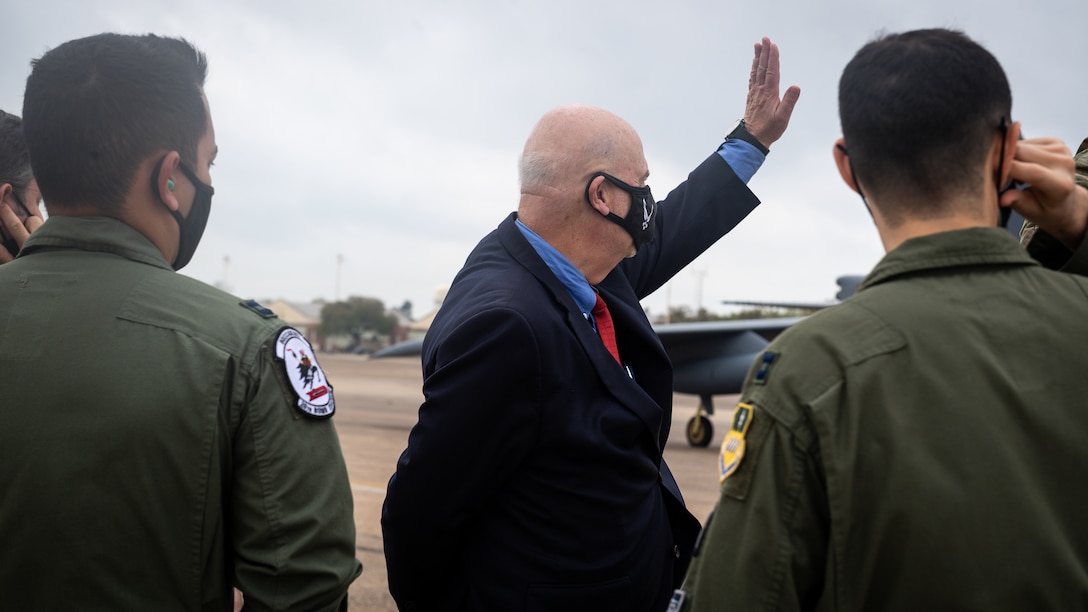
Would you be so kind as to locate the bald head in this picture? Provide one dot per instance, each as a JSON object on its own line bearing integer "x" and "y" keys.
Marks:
{"x": 571, "y": 142}
{"x": 567, "y": 148}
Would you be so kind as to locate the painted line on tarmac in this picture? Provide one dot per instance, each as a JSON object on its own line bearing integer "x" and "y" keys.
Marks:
{"x": 367, "y": 488}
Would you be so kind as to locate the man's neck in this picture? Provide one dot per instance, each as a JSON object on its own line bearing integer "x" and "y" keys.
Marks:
{"x": 892, "y": 237}
{"x": 569, "y": 238}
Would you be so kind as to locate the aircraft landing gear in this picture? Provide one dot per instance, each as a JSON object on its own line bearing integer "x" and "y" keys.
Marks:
{"x": 700, "y": 430}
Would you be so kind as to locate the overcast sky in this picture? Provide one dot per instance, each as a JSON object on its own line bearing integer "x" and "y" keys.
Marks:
{"x": 388, "y": 131}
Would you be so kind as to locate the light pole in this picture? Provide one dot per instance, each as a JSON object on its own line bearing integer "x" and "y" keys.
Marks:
{"x": 339, "y": 267}
{"x": 700, "y": 275}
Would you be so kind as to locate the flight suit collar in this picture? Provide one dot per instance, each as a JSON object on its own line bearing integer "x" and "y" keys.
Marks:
{"x": 977, "y": 246}
{"x": 98, "y": 234}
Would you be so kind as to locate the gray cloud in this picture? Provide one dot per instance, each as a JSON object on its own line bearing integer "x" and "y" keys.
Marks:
{"x": 388, "y": 132}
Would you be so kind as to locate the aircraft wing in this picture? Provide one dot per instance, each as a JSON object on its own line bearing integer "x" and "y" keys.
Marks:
{"x": 848, "y": 285}
{"x": 713, "y": 357}
{"x": 793, "y": 305}
{"x": 408, "y": 348}
{"x": 708, "y": 357}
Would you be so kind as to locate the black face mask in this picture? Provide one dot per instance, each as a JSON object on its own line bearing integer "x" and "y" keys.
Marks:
{"x": 1006, "y": 211}
{"x": 191, "y": 228}
{"x": 639, "y": 221}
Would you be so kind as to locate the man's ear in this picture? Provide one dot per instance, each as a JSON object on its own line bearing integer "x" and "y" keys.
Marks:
{"x": 595, "y": 193}
{"x": 5, "y": 190}
{"x": 164, "y": 175}
{"x": 842, "y": 162}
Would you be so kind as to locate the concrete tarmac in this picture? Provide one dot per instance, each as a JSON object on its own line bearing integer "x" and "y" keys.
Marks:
{"x": 376, "y": 405}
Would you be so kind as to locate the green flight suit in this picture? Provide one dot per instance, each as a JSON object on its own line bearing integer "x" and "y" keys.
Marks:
{"x": 151, "y": 454}
{"x": 1042, "y": 245}
{"x": 918, "y": 447}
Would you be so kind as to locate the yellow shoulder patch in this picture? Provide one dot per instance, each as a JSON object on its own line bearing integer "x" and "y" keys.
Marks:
{"x": 732, "y": 450}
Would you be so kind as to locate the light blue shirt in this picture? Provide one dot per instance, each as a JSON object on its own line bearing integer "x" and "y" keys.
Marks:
{"x": 741, "y": 156}
{"x": 571, "y": 277}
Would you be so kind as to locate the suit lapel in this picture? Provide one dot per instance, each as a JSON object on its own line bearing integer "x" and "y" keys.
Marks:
{"x": 642, "y": 352}
{"x": 613, "y": 375}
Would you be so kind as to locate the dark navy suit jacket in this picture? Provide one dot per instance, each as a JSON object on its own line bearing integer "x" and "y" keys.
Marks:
{"x": 534, "y": 478}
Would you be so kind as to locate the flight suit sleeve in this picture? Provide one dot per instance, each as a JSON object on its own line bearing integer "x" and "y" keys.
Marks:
{"x": 1047, "y": 250}
{"x": 290, "y": 519}
{"x": 764, "y": 546}
{"x": 1052, "y": 254}
{"x": 478, "y": 421}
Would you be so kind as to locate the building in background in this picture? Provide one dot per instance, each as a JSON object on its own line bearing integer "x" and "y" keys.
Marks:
{"x": 305, "y": 317}
{"x": 418, "y": 328}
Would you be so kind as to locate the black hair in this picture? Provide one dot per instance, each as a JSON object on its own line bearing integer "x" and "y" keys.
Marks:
{"x": 919, "y": 111}
{"x": 14, "y": 159}
{"x": 96, "y": 107}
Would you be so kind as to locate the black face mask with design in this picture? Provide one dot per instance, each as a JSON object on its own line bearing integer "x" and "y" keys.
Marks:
{"x": 639, "y": 221}
{"x": 191, "y": 228}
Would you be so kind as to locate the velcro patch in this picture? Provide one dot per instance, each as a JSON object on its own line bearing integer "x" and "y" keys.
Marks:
{"x": 765, "y": 364}
{"x": 312, "y": 390}
{"x": 738, "y": 483}
{"x": 256, "y": 307}
{"x": 732, "y": 450}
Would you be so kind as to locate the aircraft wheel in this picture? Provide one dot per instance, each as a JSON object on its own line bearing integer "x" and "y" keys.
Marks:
{"x": 700, "y": 430}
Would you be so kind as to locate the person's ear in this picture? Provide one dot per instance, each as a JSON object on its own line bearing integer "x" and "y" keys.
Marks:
{"x": 842, "y": 162}
{"x": 597, "y": 195}
{"x": 165, "y": 184}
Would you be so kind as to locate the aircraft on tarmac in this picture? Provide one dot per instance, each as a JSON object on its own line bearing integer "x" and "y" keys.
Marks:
{"x": 713, "y": 357}
{"x": 708, "y": 358}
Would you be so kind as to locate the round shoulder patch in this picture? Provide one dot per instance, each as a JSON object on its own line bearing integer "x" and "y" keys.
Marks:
{"x": 313, "y": 393}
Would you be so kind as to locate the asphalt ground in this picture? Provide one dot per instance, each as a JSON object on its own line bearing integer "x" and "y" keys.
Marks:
{"x": 376, "y": 405}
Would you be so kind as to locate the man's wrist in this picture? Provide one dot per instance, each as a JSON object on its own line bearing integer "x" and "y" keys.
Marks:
{"x": 740, "y": 132}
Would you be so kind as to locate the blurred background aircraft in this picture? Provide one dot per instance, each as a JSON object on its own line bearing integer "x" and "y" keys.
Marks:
{"x": 708, "y": 357}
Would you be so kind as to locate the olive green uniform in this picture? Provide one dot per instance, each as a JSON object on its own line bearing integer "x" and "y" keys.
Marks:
{"x": 918, "y": 447}
{"x": 1047, "y": 248}
{"x": 151, "y": 454}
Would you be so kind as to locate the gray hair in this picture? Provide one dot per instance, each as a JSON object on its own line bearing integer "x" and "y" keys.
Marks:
{"x": 538, "y": 169}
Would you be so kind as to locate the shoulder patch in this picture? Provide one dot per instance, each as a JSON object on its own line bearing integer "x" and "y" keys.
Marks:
{"x": 256, "y": 307}
{"x": 313, "y": 393}
{"x": 758, "y": 425}
{"x": 732, "y": 450}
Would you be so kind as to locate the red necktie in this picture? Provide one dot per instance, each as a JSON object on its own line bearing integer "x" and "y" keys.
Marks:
{"x": 605, "y": 329}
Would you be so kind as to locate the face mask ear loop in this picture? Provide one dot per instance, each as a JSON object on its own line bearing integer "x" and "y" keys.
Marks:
{"x": 1004, "y": 212}
{"x": 589, "y": 184}
{"x": 155, "y": 178}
